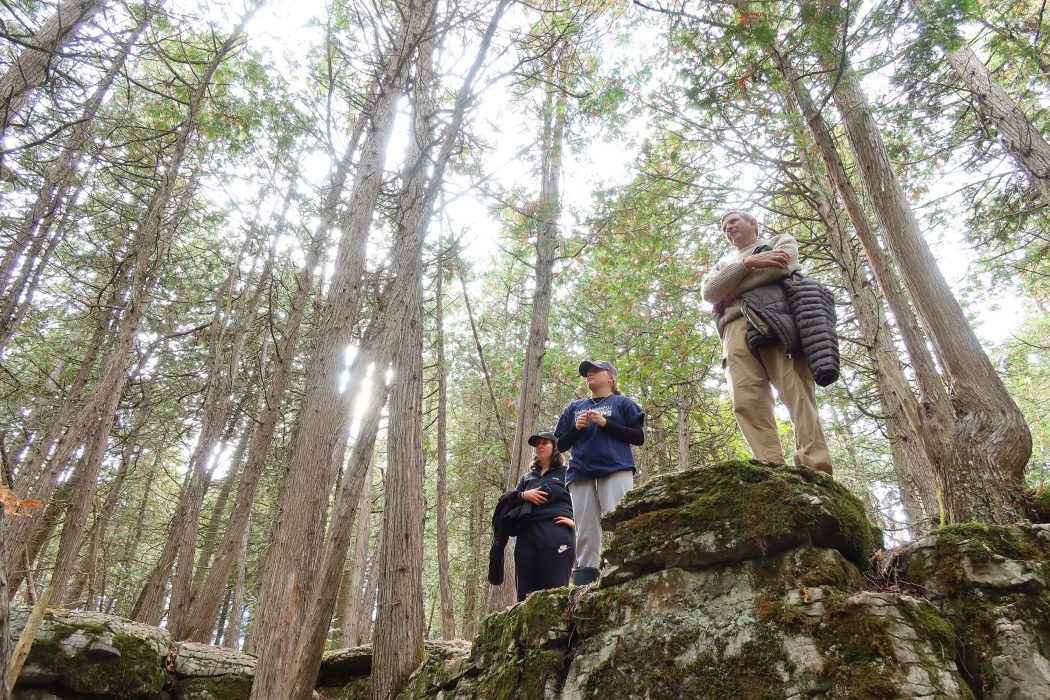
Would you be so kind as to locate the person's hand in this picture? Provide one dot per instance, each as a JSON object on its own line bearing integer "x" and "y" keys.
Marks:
{"x": 721, "y": 305}
{"x": 771, "y": 258}
{"x": 567, "y": 522}
{"x": 582, "y": 421}
{"x": 536, "y": 497}
{"x": 596, "y": 417}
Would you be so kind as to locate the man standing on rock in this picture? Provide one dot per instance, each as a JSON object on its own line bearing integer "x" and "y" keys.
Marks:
{"x": 751, "y": 372}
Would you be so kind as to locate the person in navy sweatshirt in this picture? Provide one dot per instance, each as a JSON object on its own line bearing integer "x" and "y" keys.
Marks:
{"x": 600, "y": 429}
{"x": 545, "y": 549}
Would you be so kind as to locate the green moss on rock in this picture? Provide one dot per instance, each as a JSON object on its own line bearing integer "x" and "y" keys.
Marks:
{"x": 990, "y": 582}
{"x": 1040, "y": 500}
{"x": 213, "y": 688}
{"x": 115, "y": 665}
{"x": 733, "y": 511}
{"x": 541, "y": 621}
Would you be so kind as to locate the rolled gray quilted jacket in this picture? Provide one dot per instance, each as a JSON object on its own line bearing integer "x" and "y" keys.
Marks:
{"x": 813, "y": 307}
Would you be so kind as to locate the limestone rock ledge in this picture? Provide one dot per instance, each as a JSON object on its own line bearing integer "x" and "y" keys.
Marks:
{"x": 740, "y": 580}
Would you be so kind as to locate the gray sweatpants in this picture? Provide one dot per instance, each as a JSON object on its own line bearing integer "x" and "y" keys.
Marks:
{"x": 591, "y": 499}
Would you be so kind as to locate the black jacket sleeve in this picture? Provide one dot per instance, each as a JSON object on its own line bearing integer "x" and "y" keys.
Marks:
{"x": 631, "y": 434}
{"x": 519, "y": 489}
{"x": 568, "y": 439}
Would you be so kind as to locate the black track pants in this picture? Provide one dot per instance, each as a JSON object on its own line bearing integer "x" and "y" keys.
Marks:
{"x": 543, "y": 557}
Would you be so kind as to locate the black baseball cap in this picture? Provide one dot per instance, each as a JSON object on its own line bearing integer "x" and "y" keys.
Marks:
{"x": 586, "y": 366}
{"x": 545, "y": 435}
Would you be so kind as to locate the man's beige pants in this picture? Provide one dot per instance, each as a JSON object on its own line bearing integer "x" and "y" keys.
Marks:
{"x": 750, "y": 376}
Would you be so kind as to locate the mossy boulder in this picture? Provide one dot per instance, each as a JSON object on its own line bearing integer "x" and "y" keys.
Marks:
{"x": 345, "y": 673}
{"x": 341, "y": 666}
{"x": 43, "y": 694}
{"x": 755, "y": 630}
{"x": 445, "y": 663}
{"x": 992, "y": 583}
{"x": 521, "y": 652}
{"x": 213, "y": 688}
{"x": 733, "y": 511}
{"x": 93, "y": 654}
{"x": 205, "y": 672}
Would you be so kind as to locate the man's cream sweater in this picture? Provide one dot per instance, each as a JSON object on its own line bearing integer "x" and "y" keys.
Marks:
{"x": 729, "y": 277}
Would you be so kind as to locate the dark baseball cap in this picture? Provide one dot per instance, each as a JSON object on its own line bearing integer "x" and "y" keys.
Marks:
{"x": 545, "y": 435}
{"x": 586, "y": 366}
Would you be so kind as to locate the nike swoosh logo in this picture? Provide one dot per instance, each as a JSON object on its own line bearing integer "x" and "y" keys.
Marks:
{"x": 562, "y": 548}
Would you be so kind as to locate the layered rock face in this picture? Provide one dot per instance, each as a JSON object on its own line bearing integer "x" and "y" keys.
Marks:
{"x": 742, "y": 580}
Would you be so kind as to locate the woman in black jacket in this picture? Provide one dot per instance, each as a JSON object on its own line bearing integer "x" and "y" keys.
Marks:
{"x": 546, "y": 546}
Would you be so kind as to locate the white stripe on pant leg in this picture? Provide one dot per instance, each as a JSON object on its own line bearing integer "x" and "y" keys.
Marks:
{"x": 586, "y": 512}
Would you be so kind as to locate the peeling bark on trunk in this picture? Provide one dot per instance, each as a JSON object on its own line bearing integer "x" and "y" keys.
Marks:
{"x": 984, "y": 478}
{"x": 1018, "y": 135}
{"x": 934, "y": 418}
{"x": 448, "y": 620}
{"x": 296, "y": 545}
{"x": 547, "y": 214}
{"x": 914, "y": 471}
{"x": 398, "y": 641}
{"x": 39, "y": 236}
{"x": 351, "y": 634}
{"x": 30, "y": 69}
{"x": 398, "y": 644}
{"x": 232, "y": 637}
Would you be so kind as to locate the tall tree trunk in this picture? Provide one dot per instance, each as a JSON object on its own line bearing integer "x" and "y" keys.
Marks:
{"x": 548, "y": 212}
{"x": 685, "y": 460}
{"x": 475, "y": 531}
{"x": 297, "y": 539}
{"x": 206, "y": 601}
{"x": 218, "y": 512}
{"x": 35, "y": 463}
{"x": 915, "y": 473}
{"x": 398, "y": 643}
{"x": 1020, "y": 137}
{"x": 149, "y": 244}
{"x": 229, "y": 334}
{"x": 87, "y": 575}
{"x": 985, "y": 480}
{"x": 5, "y": 604}
{"x": 448, "y": 619}
{"x": 30, "y": 69}
{"x": 37, "y": 240}
{"x": 355, "y": 596}
{"x": 205, "y": 604}
{"x": 232, "y": 637}
{"x": 912, "y": 467}
{"x": 358, "y": 471}
{"x": 387, "y": 333}
{"x": 72, "y": 534}
{"x": 367, "y": 609}
{"x": 933, "y": 418}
